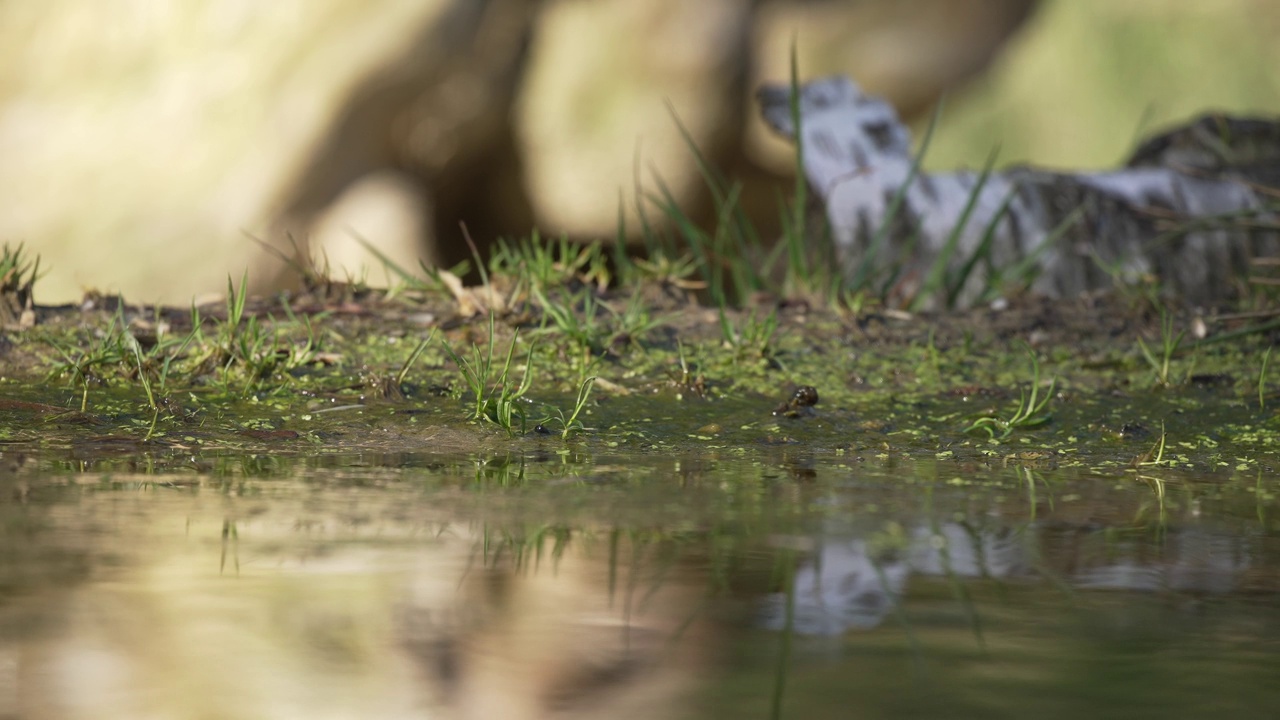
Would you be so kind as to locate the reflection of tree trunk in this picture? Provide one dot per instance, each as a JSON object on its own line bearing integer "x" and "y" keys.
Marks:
{"x": 1194, "y": 208}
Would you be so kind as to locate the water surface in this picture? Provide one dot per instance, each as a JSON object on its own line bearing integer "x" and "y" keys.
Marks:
{"x": 768, "y": 581}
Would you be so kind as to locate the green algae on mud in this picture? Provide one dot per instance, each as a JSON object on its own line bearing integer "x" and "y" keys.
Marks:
{"x": 335, "y": 376}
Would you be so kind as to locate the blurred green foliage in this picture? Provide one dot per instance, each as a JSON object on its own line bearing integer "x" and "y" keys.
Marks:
{"x": 1086, "y": 79}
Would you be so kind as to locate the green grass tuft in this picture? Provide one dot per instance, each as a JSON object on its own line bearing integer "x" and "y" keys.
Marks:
{"x": 1030, "y": 411}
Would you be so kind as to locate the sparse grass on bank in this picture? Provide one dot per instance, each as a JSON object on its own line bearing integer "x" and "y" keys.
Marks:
{"x": 18, "y": 275}
{"x": 1031, "y": 410}
{"x": 890, "y": 383}
{"x": 706, "y": 315}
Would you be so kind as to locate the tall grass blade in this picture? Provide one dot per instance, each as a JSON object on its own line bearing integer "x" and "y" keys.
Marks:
{"x": 794, "y": 237}
{"x": 936, "y": 280}
{"x": 868, "y": 263}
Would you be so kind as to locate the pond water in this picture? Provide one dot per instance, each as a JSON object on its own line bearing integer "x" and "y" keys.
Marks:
{"x": 769, "y": 581}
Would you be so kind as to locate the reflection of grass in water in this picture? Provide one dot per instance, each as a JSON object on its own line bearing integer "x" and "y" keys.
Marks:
{"x": 1154, "y": 458}
{"x": 900, "y": 614}
{"x": 521, "y": 547}
{"x": 959, "y": 589}
{"x": 786, "y": 564}
{"x": 230, "y": 544}
{"x": 503, "y": 471}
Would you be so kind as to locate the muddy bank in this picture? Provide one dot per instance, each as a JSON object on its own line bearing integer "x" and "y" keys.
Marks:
{"x": 1103, "y": 381}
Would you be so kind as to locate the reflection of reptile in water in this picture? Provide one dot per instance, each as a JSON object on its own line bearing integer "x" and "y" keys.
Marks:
{"x": 1194, "y": 207}
{"x": 854, "y": 583}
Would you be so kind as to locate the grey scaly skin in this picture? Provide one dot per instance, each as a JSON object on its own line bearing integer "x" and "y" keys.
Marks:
{"x": 857, "y": 155}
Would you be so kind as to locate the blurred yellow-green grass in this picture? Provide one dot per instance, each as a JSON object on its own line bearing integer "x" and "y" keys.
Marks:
{"x": 1086, "y": 79}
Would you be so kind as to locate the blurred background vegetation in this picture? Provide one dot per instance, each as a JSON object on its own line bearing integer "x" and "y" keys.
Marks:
{"x": 142, "y": 144}
{"x": 1084, "y": 80}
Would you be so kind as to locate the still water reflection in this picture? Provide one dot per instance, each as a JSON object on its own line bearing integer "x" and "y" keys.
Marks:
{"x": 640, "y": 586}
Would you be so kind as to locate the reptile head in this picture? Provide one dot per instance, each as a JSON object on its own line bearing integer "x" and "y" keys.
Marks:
{"x": 846, "y": 133}
{"x": 837, "y": 102}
